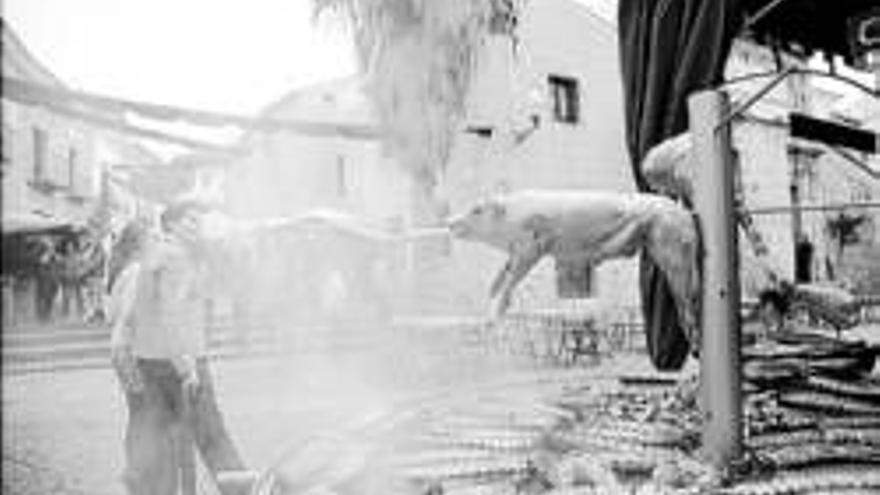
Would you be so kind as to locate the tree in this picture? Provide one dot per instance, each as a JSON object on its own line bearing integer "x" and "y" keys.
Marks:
{"x": 419, "y": 58}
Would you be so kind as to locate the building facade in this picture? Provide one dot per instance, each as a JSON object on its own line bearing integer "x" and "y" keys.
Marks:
{"x": 49, "y": 172}
{"x": 780, "y": 173}
{"x": 544, "y": 112}
{"x": 550, "y": 108}
{"x": 286, "y": 173}
{"x": 53, "y": 169}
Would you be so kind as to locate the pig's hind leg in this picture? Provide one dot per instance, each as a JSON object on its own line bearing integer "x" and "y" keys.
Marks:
{"x": 673, "y": 244}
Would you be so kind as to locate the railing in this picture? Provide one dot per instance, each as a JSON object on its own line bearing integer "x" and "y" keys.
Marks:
{"x": 547, "y": 338}
{"x": 870, "y": 308}
{"x": 559, "y": 338}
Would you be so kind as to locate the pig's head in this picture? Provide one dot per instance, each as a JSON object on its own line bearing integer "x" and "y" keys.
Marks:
{"x": 485, "y": 221}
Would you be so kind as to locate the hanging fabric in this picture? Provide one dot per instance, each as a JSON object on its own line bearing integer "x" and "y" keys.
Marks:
{"x": 668, "y": 50}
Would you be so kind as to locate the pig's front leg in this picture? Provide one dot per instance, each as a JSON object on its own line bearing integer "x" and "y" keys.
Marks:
{"x": 499, "y": 293}
{"x": 500, "y": 277}
{"x": 518, "y": 266}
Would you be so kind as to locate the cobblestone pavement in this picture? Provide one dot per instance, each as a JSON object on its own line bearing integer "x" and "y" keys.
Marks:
{"x": 62, "y": 431}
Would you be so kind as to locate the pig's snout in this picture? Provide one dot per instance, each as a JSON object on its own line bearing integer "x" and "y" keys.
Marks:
{"x": 459, "y": 226}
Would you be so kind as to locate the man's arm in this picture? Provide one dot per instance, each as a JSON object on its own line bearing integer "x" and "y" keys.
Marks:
{"x": 190, "y": 334}
{"x": 123, "y": 301}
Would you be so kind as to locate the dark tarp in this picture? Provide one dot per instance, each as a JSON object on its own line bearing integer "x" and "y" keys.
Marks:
{"x": 805, "y": 26}
{"x": 668, "y": 49}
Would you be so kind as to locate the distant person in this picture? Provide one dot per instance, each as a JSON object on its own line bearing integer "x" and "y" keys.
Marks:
{"x": 46, "y": 278}
{"x": 159, "y": 352}
{"x": 79, "y": 263}
{"x": 803, "y": 255}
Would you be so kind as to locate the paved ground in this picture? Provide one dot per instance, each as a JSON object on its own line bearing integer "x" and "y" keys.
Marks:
{"x": 62, "y": 431}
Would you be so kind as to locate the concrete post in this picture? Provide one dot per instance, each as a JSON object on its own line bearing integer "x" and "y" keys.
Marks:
{"x": 720, "y": 325}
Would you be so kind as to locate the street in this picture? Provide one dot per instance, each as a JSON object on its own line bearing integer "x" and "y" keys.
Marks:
{"x": 340, "y": 206}
{"x": 63, "y": 430}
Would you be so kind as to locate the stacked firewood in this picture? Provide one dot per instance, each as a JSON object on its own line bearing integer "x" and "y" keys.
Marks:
{"x": 811, "y": 400}
{"x": 596, "y": 439}
{"x": 812, "y": 425}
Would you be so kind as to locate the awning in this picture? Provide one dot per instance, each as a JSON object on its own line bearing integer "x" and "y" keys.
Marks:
{"x": 809, "y": 24}
{"x": 26, "y": 222}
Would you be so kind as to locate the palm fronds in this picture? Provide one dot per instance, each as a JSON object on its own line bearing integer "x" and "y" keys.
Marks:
{"x": 420, "y": 57}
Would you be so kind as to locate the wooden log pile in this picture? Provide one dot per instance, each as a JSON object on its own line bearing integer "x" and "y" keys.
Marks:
{"x": 811, "y": 425}
{"x": 811, "y": 402}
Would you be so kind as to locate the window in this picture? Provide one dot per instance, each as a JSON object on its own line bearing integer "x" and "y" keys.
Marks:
{"x": 443, "y": 210}
{"x": 73, "y": 181}
{"x": 565, "y": 97}
{"x": 71, "y": 167}
{"x": 804, "y": 151}
{"x": 341, "y": 182}
{"x": 574, "y": 279}
{"x": 803, "y": 159}
{"x": 8, "y": 136}
{"x": 41, "y": 155}
{"x": 503, "y": 19}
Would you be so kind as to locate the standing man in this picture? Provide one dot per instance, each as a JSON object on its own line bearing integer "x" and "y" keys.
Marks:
{"x": 159, "y": 352}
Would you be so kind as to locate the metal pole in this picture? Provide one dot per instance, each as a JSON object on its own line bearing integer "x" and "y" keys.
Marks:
{"x": 772, "y": 210}
{"x": 720, "y": 352}
{"x": 755, "y": 98}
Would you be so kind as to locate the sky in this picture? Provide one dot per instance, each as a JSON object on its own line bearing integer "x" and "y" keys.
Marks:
{"x": 223, "y": 55}
{"x": 232, "y": 56}
{"x": 235, "y": 56}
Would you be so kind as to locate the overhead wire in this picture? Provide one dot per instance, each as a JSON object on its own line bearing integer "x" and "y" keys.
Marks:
{"x": 111, "y": 112}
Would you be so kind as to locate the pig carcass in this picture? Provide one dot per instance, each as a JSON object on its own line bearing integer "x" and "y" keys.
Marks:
{"x": 586, "y": 226}
{"x": 670, "y": 168}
